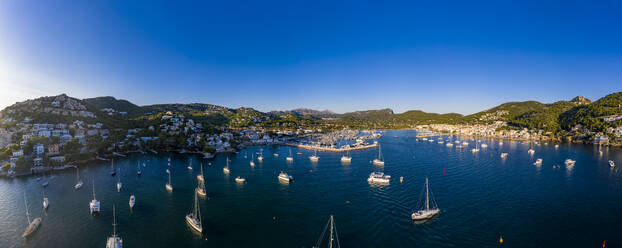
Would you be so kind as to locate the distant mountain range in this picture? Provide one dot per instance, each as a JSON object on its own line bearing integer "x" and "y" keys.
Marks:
{"x": 553, "y": 117}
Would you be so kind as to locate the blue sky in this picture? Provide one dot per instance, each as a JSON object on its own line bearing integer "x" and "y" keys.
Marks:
{"x": 436, "y": 56}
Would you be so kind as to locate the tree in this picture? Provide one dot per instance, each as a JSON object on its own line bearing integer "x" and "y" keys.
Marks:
{"x": 73, "y": 146}
{"x": 93, "y": 142}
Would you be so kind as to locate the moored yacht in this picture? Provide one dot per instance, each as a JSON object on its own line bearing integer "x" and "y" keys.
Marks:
{"x": 168, "y": 185}
{"x": 32, "y": 225}
{"x": 94, "y": 204}
{"x": 132, "y": 201}
{"x": 569, "y": 162}
{"x": 119, "y": 184}
{"x": 504, "y": 155}
{"x": 531, "y": 151}
{"x": 290, "y": 158}
{"x": 284, "y": 177}
{"x": 378, "y": 177}
{"x": 612, "y": 164}
{"x": 240, "y": 179}
{"x": 538, "y": 162}
{"x": 138, "y": 171}
{"x": 252, "y": 163}
{"x": 113, "y": 172}
{"x": 346, "y": 158}
{"x": 114, "y": 241}
{"x": 194, "y": 218}
{"x": 426, "y": 212}
{"x": 226, "y": 168}
{"x": 314, "y": 157}
{"x": 79, "y": 183}
{"x": 484, "y": 145}
{"x": 379, "y": 160}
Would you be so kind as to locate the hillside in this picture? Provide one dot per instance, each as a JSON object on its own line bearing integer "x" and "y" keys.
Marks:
{"x": 504, "y": 112}
{"x": 119, "y": 105}
{"x": 590, "y": 115}
{"x": 386, "y": 118}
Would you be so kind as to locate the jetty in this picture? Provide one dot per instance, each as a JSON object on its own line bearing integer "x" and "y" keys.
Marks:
{"x": 332, "y": 149}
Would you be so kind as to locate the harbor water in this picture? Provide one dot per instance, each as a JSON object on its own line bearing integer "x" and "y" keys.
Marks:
{"x": 482, "y": 198}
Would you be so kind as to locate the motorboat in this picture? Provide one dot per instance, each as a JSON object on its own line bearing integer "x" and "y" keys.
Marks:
{"x": 378, "y": 177}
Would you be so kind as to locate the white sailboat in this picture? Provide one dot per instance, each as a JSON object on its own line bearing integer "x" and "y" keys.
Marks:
{"x": 240, "y": 179}
{"x": 426, "y": 212}
{"x": 200, "y": 177}
{"x": 168, "y": 185}
{"x": 194, "y": 218}
{"x": 252, "y": 163}
{"x": 314, "y": 157}
{"x": 612, "y": 164}
{"x": 333, "y": 238}
{"x": 190, "y": 165}
{"x": 78, "y": 181}
{"x": 226, "y": 168}
{"x": 138, "y": 172}
{"x": 504, "y": 155}
{"x": 245, "y": 155}
{"x": 260, "y": 157}
{"x": 112, "y": 170}
{"x": 290, "y": 158}
{"x": 379, "y": 160}
{"x": 46, "y": 201}
{"x": 378, "y": 177}
{"x": 531, "y": 151}
{"x": 94, "y": 204}
{"x": 476, "y": 149}
{"x": 538, "y": 162}
{"x": 119, "y": 184}
{"x": 114, "y": 241}
{"x": 132, "y": 201}
{"x": 284, "y": 177}
{"x": 32, "y": 225}
{"x": 346, "y": 158}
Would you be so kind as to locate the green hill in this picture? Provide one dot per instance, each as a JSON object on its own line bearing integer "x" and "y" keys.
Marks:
{"x": 589, "y": 115}
{"x": 119, "y": 105}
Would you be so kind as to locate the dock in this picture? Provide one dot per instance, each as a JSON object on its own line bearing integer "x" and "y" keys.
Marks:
{"x": 331, "y": 149}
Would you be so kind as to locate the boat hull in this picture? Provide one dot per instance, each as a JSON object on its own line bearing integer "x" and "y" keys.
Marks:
{"x": 34, "y": 226}
{"x": 424, "y": 214}
{"x": 194, "y": 223}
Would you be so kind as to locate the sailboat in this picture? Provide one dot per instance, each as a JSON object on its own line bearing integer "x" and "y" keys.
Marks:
{"x": 119, "y": 184}
{"x": 132, "y": 201}
{"x": 200, "y": 177}
{"x": 379, "y": 160}
{"x": 138, "y": 172}
{"x": 114, "y": 241}
{"x": 612, "y": 164}
{"x": 252, "y": 160}
{"x": 476, "y": 149}
{"x": 46, "y": 201}
{"x": 314, "y": 157}
{"x": 190, "y": 165}
{"x": 245, "y": 155}
{"x": 78, "y": 181}
{"x": 260, "y": 157}
{"x": 346, "y": 158}
{"x": 427, "y": 212}
{"x": 194, "y": 218}
{"x": 290, "y": 158}
{"x": 94, "y": 204}
{"x": 169, "y": 186}
{"x": 333, "y": 238}
{"x": 226, "y": 168}
{"x": 112, "y": 170}
{"x": 531, "y": 151}
{"x": 32, "y": 226}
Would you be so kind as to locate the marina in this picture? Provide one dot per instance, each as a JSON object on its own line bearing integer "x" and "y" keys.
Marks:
{"x": 267, "y": 209}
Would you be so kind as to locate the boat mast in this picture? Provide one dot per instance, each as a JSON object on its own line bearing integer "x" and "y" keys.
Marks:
{"x": 114, "y": 224}
{"x": 78, "y": 173}
{"x": 27, "y": 213}
{"x": 379, "y": 152}
{"x": 93, "y": 189}
{"x": 427, "y": 196}
{"x": 330, "y": 244}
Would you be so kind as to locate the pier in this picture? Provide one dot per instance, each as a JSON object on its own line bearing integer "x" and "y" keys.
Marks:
{"x": 331, "y": 149}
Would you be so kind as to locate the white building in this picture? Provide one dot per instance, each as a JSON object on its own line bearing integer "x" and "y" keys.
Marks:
{"x": 39, "y": 149}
